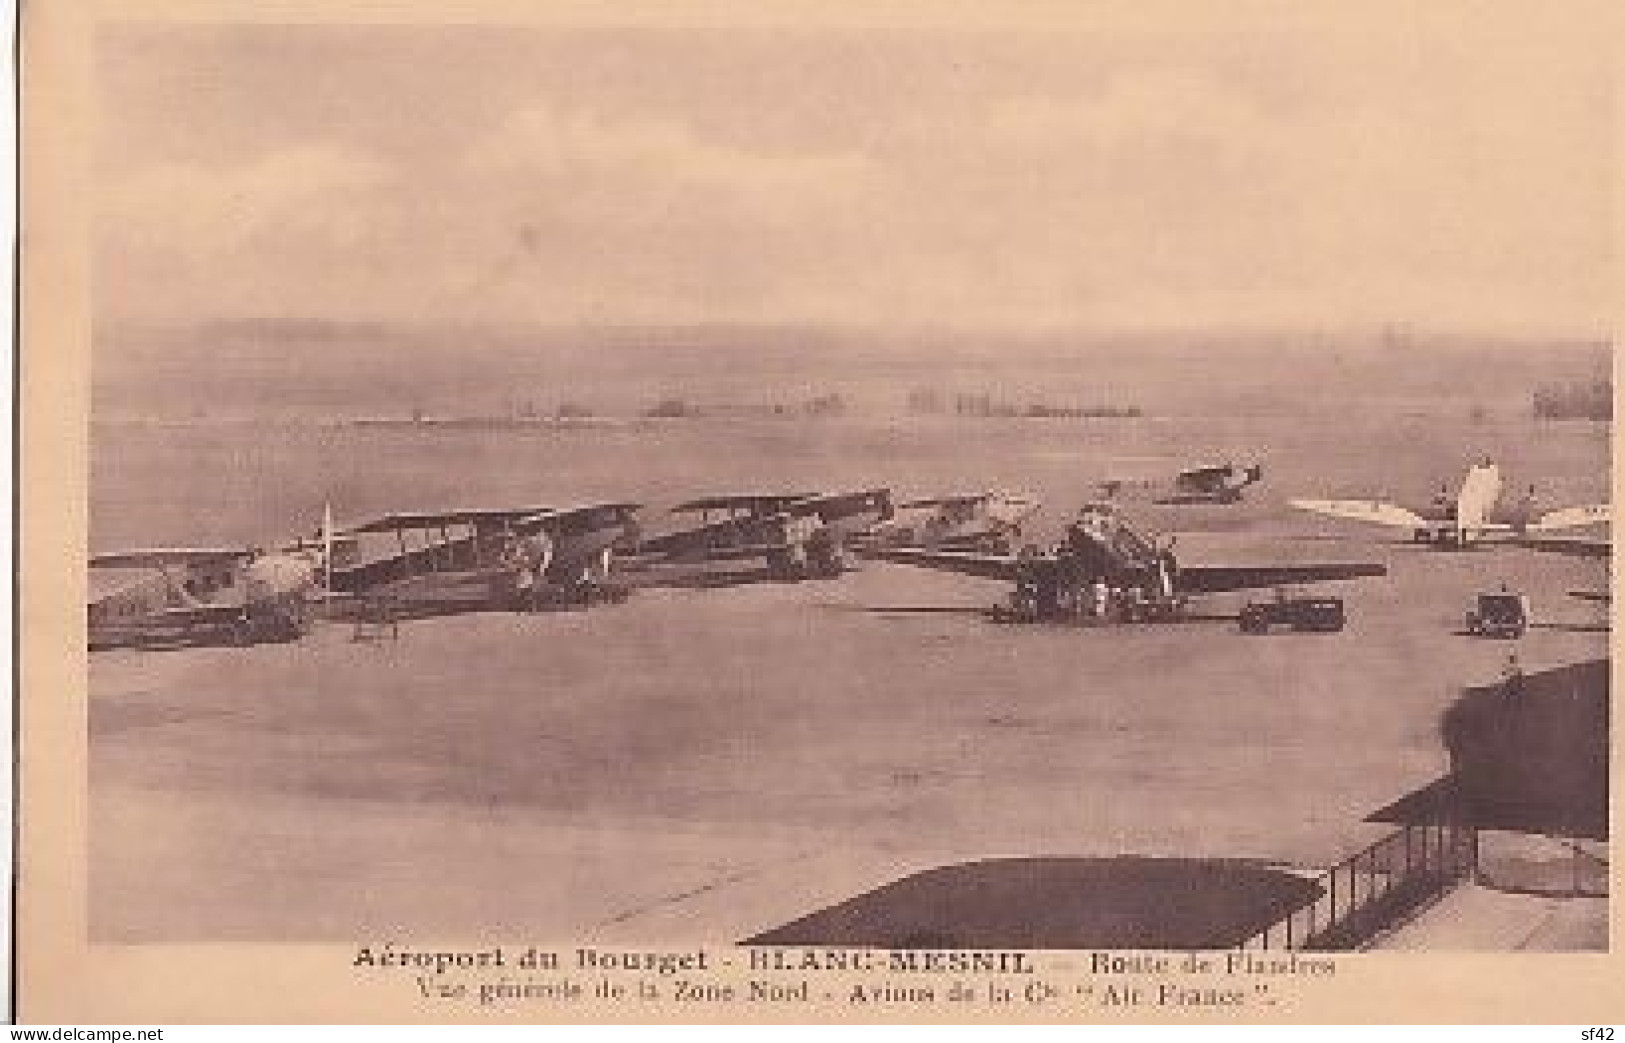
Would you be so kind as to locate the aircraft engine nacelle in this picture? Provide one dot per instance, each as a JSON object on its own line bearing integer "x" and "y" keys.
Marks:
{"x": 531, "y": 553}
{"x": 798, "y": 530}
{"x": 276, "y": 597}
{"x": 525, "y": 559}
{"x": 273, "y": 576}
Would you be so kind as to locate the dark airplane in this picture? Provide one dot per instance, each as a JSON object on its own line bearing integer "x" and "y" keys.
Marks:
{"x": 1107, "y": 571}
{"x": 508, "y": 557}
{"x": 1210, "y": 483}
{"x": 797, "y": 534}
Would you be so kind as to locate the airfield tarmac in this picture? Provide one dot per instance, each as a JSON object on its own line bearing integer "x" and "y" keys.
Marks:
{"x": 708, "y": 763}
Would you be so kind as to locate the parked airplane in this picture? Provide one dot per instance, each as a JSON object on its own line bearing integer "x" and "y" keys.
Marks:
{"x": 1474, "y": 513}
{"x": 510, "y": 557}
{"x": 1210, "y": 483}
{"x": 989, "y": 522}
{"x": 238, "y": 594}
{"x": 798, "y": 534}
{"x": 1104, "y": 569}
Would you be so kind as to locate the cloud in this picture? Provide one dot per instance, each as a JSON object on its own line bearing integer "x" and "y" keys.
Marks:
{"x": 592, "y": 155}
{"x": 201, "y": 214}
{"x": 580, "y": 213}
{"x": 278, "y": 226}
{"x": 1168, "y": 193}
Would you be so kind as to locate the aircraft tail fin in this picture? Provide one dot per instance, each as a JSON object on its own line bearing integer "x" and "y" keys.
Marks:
{"x": 1479, "y": 492}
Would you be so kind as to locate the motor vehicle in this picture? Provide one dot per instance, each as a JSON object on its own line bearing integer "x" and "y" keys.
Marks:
{"x": 1503, "y": 613}
{"x": 1302, "y": 613}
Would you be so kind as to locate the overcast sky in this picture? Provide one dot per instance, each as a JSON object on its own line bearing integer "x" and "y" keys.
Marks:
{"x": 1319, "y": 175}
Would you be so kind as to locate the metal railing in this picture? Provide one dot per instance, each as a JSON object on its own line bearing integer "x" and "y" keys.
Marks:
{"x": 1372, "y": 889}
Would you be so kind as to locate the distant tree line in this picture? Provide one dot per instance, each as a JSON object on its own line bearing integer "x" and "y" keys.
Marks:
{"x": 671, "y": 407}
{"x": 831, "y": 404}
{"x": 1577, "y": 400}
{"x": 982, "y": 404}
{"x": 1041, "y": 410}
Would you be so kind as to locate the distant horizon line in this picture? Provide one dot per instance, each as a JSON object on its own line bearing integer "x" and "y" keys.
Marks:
{"x": 1383, "y": 331}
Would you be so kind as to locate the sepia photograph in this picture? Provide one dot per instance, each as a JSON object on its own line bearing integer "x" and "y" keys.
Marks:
{"x": 905, "y": 496}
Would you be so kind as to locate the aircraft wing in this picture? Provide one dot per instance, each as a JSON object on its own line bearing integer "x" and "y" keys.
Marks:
{"x": 1222, "y": 579}
{"x": 194, "y": 615}
{"x": 609, "y": 512}
{"x": 439, "y": 519}
{"x": 1369, "y": 511}
{"x": 945, "y": 501}
{"x": 158, "y": 558}
{"x": 756, "y": 503}
{"x": 1573, "y": 518}
{"x": 985, "y": 566}
{"x": 859, "y": 497}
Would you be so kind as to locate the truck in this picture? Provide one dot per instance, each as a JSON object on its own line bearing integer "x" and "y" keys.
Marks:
{"x": 1303, "y": 613}
{"x": 1502, "y": 613}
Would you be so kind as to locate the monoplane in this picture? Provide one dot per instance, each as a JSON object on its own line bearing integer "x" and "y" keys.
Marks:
{"x": 1216, "y": 483}
{"x": 1105, "y": 570}
{"x": 1476, "y": 513}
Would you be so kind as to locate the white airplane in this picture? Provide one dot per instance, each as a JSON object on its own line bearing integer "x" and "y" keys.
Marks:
{"x": 1476, "y": 512}
{"x": 190, "y": 595}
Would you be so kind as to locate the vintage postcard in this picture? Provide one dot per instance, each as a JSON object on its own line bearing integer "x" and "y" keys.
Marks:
{"x": 842, "y": 512}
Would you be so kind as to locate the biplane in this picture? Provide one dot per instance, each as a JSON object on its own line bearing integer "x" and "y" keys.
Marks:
{"x": 987, "y": 521}
{"x": 518, "y": 558}
{"x": 1475, "y": 513}
{"x": 1104, "y": 570}
{"x": 1219, "y": 483}
{"x": 797, "y": 534}
{"x": 236, "y": 595}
